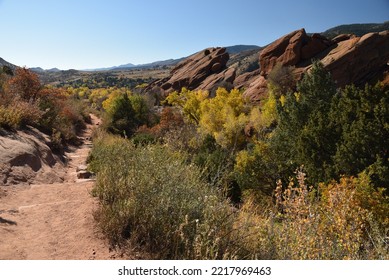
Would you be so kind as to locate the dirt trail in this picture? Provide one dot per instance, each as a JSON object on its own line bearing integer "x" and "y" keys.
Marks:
{"x": 53, "y": 221}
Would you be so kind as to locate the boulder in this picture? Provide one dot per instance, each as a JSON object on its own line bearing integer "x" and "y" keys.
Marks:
{"x": 286, "y": 51}
{"x": 256, "y": 90}
{"x": 81, "y": 167}
{"x": 342, "y": 37}
{"x": 25, "y": 157}
{"x": 215, "y": 68}
{"x": 84, "y": 174}
{"x": 314, "y": 45}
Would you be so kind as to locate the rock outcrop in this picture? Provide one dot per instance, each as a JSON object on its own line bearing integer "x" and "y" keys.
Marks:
{"x": 291, "y": 49}
{"x": 192, "y": 72}
{"x": 358, "y": 59}
{"x": 348, "y": 58}
{"x": 25, "y": 157}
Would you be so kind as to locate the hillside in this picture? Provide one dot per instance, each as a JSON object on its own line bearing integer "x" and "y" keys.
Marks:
{"x": 356, "y": 29}
{"x": 6, "y": 63}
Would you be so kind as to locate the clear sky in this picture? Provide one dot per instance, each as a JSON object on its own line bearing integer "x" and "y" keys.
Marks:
{"x": 84, "y": 34}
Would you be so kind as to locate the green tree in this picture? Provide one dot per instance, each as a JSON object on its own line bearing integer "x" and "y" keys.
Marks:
{"x": 361, "y": 117}
{"x": 121, "y": 116}
{"x": 304, "y": 135}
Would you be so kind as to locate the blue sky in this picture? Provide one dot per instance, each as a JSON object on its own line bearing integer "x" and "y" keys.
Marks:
{"x": 84, "y": 34}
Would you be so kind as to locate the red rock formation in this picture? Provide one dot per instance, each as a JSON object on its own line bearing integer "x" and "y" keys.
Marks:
{"x": 212, "y": 81}
{"x": 357, "y": 59}
{"x": 350, "y": 59}
{"x": 193, "y": 71}
{"x": 291, "y": 49}
{"x": 257, "y": 89}
{"x": 244, "y": 80}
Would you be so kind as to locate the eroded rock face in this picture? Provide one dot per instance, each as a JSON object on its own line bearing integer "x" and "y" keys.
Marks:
{"x": 291, "y": 49}
{"x": 192, "y": 72}
{"x": 349, "y": 59}
{"x": 213, "y": 81}
{"x": 244, "y": 80}
{"x": 256, "y": 89}
{"x": 25, "y": 157}
{"x": 357, "y": 59}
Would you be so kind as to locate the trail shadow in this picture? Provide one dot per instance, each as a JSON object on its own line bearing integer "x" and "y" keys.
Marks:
{"x": 5, "y": 221}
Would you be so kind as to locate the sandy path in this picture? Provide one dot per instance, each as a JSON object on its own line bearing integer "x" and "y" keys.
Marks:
{"x": 53, "y": 221}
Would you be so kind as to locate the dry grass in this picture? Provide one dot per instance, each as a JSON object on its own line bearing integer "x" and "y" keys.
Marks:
{"x": 152, "y": 199}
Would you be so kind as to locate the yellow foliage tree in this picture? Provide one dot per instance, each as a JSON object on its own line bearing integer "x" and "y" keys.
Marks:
{"x": 190, "y": 103}
{"x": 225, "y": 117}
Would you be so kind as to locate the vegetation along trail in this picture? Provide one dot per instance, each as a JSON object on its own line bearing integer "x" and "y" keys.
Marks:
{"x": 54, "y": 221}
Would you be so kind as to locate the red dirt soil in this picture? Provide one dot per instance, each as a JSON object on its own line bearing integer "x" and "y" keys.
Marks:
{"x": 53, "y": 221}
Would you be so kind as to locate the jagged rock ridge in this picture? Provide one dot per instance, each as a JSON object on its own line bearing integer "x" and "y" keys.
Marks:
{"x": 349, "y": 58}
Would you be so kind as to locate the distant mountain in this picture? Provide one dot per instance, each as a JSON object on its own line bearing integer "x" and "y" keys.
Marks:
{"x": 155, "y": 64}
{"x": 40, "y": 70}
{"x": 37, "y": 69}
{"x": 241, "y": 48}
{"x": 170, "y": 62}
{"x": 356, "y": 29}
{"x": 128, "y": 65}
{"x": 125, "y": 66}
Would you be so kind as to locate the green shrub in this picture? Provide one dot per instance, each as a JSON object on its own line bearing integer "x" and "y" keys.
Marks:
{"x": 143, "y": 139}
{"x": 151, "y": 197}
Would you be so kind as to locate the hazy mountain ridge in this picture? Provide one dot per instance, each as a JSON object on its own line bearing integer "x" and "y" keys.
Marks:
{"x": 169, "y": 62}
{"x": 358, "y": 29}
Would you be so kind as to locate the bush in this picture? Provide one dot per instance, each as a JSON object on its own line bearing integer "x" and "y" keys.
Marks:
{"x": 25, "y": 102}
{"x": 18, "y": 114}
{"x": 152, "y": 198}
{"x": 24, "y": 84}
{"x": 63, "y": 116}
{"x": 125, "y": 113}
{"x": 344, "y": 220}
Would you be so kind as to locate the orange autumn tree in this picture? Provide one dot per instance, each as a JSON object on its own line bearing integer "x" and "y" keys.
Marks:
{"x": 24, "y": 84}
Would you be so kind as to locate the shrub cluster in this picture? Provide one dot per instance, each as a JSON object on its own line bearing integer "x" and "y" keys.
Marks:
{"x": 343, "y": 220}
{"x": 202, "y": 183}
{"x": 24, "y": 101}
{"x": 150, "y": 196}
{"x": 156, "y": 201}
